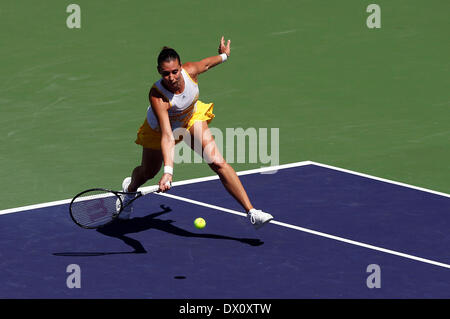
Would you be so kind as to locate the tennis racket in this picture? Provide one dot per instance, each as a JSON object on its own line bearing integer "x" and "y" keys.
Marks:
{"x": 97, "y": 207}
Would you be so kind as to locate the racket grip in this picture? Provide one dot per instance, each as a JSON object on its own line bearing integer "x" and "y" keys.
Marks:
{"x": 153, "y": 189}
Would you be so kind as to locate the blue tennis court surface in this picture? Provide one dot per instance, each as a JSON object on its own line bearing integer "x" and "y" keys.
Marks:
{"x": 329, "y": 226}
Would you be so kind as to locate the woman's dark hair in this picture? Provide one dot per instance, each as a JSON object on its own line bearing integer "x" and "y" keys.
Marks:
{"x": 168, "y": 54}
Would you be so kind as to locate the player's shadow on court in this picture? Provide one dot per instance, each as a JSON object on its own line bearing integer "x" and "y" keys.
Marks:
{"x": 119, "y": 228}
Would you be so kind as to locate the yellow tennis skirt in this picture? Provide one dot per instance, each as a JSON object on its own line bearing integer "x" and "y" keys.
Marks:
{"x": 149, "y": 138}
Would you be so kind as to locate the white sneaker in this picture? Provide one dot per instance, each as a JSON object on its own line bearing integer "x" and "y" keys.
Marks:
{"x": 258, "y": 218}
{"x": 127, "y": 209}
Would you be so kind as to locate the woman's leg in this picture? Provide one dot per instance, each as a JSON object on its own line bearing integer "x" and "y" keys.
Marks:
{"x": 200, "y": 133}
{"x": 150, "y": 166}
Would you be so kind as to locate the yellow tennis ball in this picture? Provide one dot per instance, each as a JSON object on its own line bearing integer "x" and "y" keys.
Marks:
{"x": 199, "y": 223}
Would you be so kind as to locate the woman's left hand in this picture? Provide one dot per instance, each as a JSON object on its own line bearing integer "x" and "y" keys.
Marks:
{"x": 224, "y": 48}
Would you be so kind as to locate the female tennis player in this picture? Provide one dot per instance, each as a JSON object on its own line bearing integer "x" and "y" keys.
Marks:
{"x": 174, "y": 104}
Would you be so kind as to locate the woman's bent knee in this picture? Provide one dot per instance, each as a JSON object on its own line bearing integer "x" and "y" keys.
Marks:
{"x": 218, "y": 166}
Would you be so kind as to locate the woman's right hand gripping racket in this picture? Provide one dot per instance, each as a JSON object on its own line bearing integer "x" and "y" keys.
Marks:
{"x": 97, "y": 207}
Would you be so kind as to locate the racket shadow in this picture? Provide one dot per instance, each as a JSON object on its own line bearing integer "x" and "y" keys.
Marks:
{"x": 120, "y": 228}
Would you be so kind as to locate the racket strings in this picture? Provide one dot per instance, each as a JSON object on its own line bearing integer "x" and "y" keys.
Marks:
{"x": 95, "y": 208}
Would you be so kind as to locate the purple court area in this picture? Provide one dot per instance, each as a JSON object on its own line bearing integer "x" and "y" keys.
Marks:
{"x": 159, "y": 254}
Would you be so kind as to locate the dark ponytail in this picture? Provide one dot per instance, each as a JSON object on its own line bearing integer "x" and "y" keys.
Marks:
{"x": 167, "y": 54}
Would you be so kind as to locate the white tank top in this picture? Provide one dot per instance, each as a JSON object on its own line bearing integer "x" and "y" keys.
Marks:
{"x": 182, "y": 106}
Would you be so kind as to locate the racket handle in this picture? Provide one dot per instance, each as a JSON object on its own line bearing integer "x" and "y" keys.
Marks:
{"x": 153, "y": 189}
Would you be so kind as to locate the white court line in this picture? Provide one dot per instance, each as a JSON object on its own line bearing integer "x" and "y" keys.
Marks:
{"x": 381, "y": 179}
{"x": 36, "y": 206}
{"x": 263, "y": 170}
{"x": 179, "y": 183}
{"x": 317, "y": 233}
